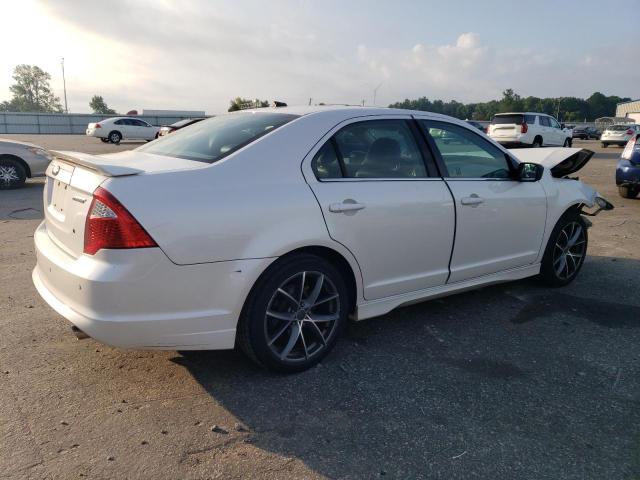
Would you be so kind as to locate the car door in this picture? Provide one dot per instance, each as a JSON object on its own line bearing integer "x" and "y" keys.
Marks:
{"x": 145, "y": 130}
{"x": 499, "y": 221}
{"x": 556, "y": 131}
{"x": 382, "y": 199}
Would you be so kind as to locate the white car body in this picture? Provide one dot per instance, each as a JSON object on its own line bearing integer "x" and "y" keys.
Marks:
{"x": 21, "y": 160}
{"x": 619, "y": 134}
{"x": 528, "y": 129}
{"x": 127, "y": 127}
{"x": 219, "y": 226}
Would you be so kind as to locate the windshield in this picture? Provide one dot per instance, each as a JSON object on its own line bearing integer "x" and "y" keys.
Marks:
{"x": 508, "y": 119}
{"x": 215, "y": 138}
{"x": 184, "y": 122}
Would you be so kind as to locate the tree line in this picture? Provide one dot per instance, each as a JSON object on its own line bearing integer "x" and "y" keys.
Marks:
{"x": 567, "y": 109}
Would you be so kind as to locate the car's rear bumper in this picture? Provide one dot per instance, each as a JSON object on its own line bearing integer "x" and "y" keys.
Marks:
{"x": 627, "y": 173}
{"x": 98, "y": 133}
{"x": 138, "y": 298}
{"x": 614, "y": 141}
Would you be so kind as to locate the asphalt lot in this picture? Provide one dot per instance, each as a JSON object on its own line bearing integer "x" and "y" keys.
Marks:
{"x": 513, "y": 381}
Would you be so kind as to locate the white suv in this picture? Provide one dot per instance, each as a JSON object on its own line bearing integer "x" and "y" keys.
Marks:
{"x": 119, "y": 128}
{"x": 528, "y": 129}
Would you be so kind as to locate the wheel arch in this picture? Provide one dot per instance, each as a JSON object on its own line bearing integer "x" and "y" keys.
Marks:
{"x": 19, "y": 160}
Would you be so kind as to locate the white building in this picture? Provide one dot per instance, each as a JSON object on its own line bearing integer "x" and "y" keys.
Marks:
{"x": 629, "y": 110}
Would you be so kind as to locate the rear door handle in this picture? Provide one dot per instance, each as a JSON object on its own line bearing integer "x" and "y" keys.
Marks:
{"x": 474, "y": 200}
{"x": 345, "y": 207}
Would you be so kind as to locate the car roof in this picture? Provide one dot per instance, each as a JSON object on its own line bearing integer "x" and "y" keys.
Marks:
{"x": 347, "y": 111}
{"x": 522, "y": 113}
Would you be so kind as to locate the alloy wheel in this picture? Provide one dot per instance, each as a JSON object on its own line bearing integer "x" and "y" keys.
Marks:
{"x": 8, "y": 174}
{"x": 301, "y": 317}
{"x": 569, "y": 250}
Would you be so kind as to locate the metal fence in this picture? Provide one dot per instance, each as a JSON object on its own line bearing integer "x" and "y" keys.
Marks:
{"x": 60, "y": 123}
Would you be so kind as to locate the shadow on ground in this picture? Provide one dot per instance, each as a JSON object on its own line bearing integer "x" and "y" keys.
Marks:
{"x": 511, "y": 381}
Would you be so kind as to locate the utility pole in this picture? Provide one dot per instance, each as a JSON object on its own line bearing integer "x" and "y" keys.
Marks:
{"x": 375, "y": 93}
{"x": 64, "y": 84}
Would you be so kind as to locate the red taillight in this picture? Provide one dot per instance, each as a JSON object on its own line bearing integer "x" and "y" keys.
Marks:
{"x": 110, "y": 225}
{"x": 97, "y": 125}
{"x": 630, "y": 132}
{"x": 524, "y": 128}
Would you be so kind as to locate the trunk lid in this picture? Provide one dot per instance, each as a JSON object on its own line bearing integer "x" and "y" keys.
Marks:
{"x": 71, "y": 179}
{"x": 560, "y": 161}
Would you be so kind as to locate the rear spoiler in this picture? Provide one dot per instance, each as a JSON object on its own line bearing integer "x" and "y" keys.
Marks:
{"x": 101, "y": 165}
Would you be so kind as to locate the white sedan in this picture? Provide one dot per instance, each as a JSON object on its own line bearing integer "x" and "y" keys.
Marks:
{"x": 269, "y": 229}
{"x": 19, "y": 161}
{"x": 122, "y": 128}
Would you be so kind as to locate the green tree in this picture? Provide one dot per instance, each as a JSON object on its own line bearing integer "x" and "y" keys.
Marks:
{"x": 240, "y": 103}
{"x": 98, "y": 105}
{"x": 31, "y": 91}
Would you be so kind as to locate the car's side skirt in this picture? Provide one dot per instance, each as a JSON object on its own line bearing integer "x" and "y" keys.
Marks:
{"x": 381, "y": 306}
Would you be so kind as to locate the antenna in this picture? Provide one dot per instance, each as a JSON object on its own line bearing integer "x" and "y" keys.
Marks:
{"x": 64, "y": 84}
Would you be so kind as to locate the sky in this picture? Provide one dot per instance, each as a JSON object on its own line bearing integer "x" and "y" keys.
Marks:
{"x": 199, "y": 54}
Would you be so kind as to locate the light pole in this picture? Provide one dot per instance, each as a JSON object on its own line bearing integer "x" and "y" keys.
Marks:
{"x": 375, "y": 93}
{"x": 64, "y": 85}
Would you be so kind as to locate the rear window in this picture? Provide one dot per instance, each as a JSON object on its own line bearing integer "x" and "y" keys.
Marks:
{"x": 507, "y": 119}
{"x": 215, "y": 138}
{"x": 619, "y": 128}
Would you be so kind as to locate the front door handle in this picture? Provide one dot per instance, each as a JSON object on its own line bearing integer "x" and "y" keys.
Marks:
{"x": 474, "y": 200}
{"x": 346, "y": 206}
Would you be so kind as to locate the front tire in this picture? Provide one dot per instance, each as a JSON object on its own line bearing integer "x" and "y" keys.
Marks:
{"x": 566, "y": 250}
{"x": 294, "y": 314}
{"x": 12, "y": 174}
{"x": 627, "y": 191}
{"x": 604, "y": 145}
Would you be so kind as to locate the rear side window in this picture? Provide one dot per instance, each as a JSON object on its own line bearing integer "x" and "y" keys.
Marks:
{"x": 507, "y": 119}
{"x": 326, "y": 164}
{"x": 379, "y": 149}
{"x": 530, "y": 119}
{"x": 215, "y": 138}
{"x": 122, "y": 121}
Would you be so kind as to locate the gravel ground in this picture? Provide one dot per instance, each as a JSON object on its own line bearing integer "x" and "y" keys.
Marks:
{"x": 512, "y": 381}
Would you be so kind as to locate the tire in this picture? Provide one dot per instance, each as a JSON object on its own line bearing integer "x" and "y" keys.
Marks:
{"x": 537, "y": 142}
{"x": 287, "y": 340}
{"x": 627, "y": 191}
{"x": 115, "y": 137}
{"x": 604, "y": 145}
{"x": 565, "y": 253}
{"x": 12, "y": 174}
{"x": 104, "y": 140}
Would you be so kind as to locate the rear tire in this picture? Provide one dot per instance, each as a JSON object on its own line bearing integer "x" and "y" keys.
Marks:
{"x": 104, "y": 140}
{"x": 115, "y": 137}
{"x": 604, "y": 145}
{"x": 628, "y": 191}
{"x": 286, "y": 328}
{"x": 566, "y": 250}
{"x": 537, "y": 142}
{"x": 12, "y": 174}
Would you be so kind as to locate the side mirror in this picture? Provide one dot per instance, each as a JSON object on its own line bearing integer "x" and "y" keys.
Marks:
{"x": 529, "y": 172}
{"x": 562, "y": 126}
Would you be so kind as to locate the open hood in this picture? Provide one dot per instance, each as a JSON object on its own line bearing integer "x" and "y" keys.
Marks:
{"x": 129, "y": 162}
{"x": 560, "y": 161}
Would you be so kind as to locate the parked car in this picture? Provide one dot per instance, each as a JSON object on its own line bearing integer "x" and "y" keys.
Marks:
{"x": 528, "y": 129}
{"x": 585, "y": 133}
{"x": 618, "y": 134}
{"x": 122, "y": 128}
{"x": 167, "y": 129}
{"x": 243, "y": 229}
{"x": 478, "y": 125}
{"x": 628, "y": 169}
{"x": 19, "y": 161}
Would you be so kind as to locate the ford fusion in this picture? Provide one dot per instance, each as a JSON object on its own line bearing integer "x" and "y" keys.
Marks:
{"x": 269, "y": 229}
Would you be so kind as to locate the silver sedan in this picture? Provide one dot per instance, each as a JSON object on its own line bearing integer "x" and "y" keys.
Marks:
{"x": 19, "y": 161}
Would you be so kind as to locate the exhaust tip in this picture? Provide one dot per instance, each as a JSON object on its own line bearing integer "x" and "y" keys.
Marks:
{"x": 80, "y": 335}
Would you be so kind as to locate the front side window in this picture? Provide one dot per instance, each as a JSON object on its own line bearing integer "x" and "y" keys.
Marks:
{"x": 466, "y": 154}
{"x": 379, "y": 149}
{"x": 215, "y": 138}
{"x": 554, "y": 123}
{"x": 544, "y": 121}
